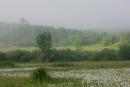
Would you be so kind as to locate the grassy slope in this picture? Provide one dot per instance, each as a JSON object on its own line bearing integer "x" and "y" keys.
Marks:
{"x": 95, "y": 47}
{"x": 17, "y": 48}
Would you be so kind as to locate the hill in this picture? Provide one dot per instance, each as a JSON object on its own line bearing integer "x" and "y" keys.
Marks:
{"x": 23, "y": 35}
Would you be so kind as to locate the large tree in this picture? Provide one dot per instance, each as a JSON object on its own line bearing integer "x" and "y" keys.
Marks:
{"x": 44, "y": 42}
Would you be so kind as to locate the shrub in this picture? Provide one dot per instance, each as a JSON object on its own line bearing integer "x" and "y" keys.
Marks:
{"x": 70, "y": 55}
{"x": 36, "y": 56}
{"x": 19, "y": 56}
{"x": 40, "y": 75}
{"x": 105, "y": 54}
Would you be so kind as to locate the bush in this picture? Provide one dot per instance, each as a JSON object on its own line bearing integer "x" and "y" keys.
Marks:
{"x": 105, "y": 54}
{"x": 36, "y": 56}
{"x": 70, "y": 55}
{"x": 19, "y": 56}
{"x": 40, "y": 75}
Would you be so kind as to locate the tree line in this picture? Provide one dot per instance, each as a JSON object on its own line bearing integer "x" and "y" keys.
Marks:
{"x": 48, "y": 54}
{"x": 23, "y": 35}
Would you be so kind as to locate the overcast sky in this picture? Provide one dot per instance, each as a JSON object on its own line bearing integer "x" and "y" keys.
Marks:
{"x": 68, "y": 13}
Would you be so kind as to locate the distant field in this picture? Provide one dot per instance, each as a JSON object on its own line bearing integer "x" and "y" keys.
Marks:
{"x": 95, "y": 47}
{"x": 6, "y": 49}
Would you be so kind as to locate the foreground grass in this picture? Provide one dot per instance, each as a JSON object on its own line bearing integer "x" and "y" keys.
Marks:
{"x": 55, "y": 82}
{"x": 71, "y": 74}
{"x": 73, "y": 78}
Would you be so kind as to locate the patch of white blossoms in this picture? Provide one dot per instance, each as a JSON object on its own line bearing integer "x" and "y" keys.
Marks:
{"x": 90, "y": 77}
{"x": 104, "y": 77}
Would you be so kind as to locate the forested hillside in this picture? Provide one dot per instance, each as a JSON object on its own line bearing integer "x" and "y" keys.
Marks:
{"x": 23, "y": 35}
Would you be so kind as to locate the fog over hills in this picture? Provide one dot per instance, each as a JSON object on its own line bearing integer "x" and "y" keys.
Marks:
{"x": 100, "y": 15}
{"x": 82, "y": 20}
{"x": 12, "y": 34}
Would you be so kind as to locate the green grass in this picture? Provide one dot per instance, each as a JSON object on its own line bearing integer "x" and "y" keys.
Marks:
{"x": 6, "y": 49}
{"x": 6, "y": 81}
{"x": 7, "y": 65}
{"x": 78, "y": 65}
{"x": 99, "y": 47}
{"x": 94, "y": 47}
{"x": 54, "y": 82}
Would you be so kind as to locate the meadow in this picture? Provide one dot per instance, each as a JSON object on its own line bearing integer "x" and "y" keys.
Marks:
{"x": 70, "y": 74}
{"x": 94, "y": 47}
{"x": 67, "y": 73}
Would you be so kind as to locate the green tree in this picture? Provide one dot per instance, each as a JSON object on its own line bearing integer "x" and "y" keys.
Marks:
{"x": 44, "y": 42}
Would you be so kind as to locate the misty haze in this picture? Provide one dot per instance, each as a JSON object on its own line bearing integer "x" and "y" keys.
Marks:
{"x": 64, "y": 43}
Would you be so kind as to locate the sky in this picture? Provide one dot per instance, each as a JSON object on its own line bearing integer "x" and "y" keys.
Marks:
{"x": 82, "y": 14}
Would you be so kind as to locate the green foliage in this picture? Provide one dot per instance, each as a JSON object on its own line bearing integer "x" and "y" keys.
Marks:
{"x": 36, "y": 56}
{"x": 39, "y": 75}
{"x": 67, "y": 55}
{"x": 105, "y": 54}
{"x": 19, "y": 56}
{"x": 44, "y": 41}
{"x": 124, "y": 51}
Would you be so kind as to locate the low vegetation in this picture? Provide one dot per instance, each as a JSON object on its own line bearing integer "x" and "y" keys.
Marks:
{"x": 72, "y": 78}
{"x": 79, "y": 65}
{"x": 67, "y": 55}
{"x": 7, "y": 64}
{"x": 40, "y": 75}
{"x": 53, "y": 67}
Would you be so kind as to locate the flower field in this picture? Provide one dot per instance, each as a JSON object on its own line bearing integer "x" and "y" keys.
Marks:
{"x": 70, "y": 78}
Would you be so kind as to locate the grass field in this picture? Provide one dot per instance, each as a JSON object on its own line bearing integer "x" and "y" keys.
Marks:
{"x": 6, "y": 49}
{"x": 63, "y": 66}
{"x": 67, "y": 74}
{"x": 78, "y": 65}
{"x": 95, "y": 47}
{"x": 70, "y": 74}
{"x": 55, "y": 82}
